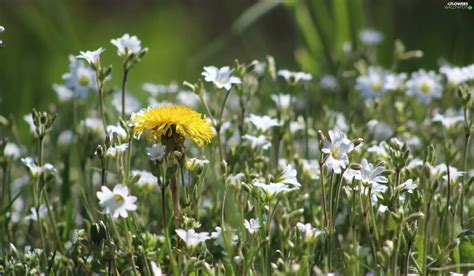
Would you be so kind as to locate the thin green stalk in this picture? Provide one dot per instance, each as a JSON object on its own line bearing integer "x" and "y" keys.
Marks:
{"x": 467, "y": 126}
{"x": 174, "y": 267}
{"x": 124, "y": 85}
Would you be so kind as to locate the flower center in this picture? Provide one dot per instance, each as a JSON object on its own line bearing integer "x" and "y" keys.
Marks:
{"x": 118, "y": 198}
{"x": 335, "y": 153}
{"x": 376, "y": 86}
{"x": 84, "y": 80}
{"x": 425, "y": 88}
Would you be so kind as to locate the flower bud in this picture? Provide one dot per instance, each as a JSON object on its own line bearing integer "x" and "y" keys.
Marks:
{"x": 98, "y": 232}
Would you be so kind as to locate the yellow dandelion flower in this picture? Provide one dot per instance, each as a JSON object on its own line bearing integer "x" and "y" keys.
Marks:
{"x": 172, "y": 121}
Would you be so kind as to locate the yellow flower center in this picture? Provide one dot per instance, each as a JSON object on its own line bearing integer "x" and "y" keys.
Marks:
{"x": 425, "y": 88}
{"x": 84, "y": 80}
{"x": 118, "y": 198}
{"x": 376, "y": 86}
{"x": 335, "y": 153}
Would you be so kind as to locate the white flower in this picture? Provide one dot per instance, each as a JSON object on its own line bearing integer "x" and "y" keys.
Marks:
{"x": 379, "y": 130}
{"x": 329, "y": 82}
{"x": 127, "y": 45}
{"x": 188, "y": 98}
{"x": 370, "y": 37}
{"x": 28, "y": 118}
{"x": 191, "y": 238}
{"x": 93, "y": 125}
{"x": 337, "y": 148}
{"x": 370, "y": 175}
{"x": 34, "y": 169}
{"x": 415, "y": 163}
{"x": 457, "y": 75}
{"x": 252, "y": 225}
{"x": 145, "y": 178}
{"x": 195, "y": 163}
{"x": 65, "y": 138}
{"x": 115, "y": 151}
{"x": 263, "y": 123}
{"x": 221, "y": 77}
{"x": 379, "y": 150}
{"x": 283, "y": 101}
{"x": 235, "y": 180}
{"x": 294, "y": 77}
{"x": 257, "y": 142}
{"x": 43, "y": 210}
{"x": 64, "y": 94}
{"x": 408, "y": 186}
{"x": 131, "y": 103}
{"x": 11, "y": 150}
{"x": 372, "y": 85}
{"x": 424, "y": 86}
{"x": 449, "y": 120}
{"x": 309, "y": 232}
{"x": 296, "y": 126}
{"x": 288, "y": 176}
{"x": 116, "y": 202}
{"x": 311, "y": 168}
{"x": 92, "y": 57}
{"x": 273, "y": 189}
{"x": 156, "y": 90}
{"x": 442, "y": 171}
{"x": 155, "y": 269}
{"x": 118, "y": 131}
{"x": 395, "y": 81}
{"x": 156, "y": 152}
{"x": 80, "y": 79}
{"x": 219, "y": 239}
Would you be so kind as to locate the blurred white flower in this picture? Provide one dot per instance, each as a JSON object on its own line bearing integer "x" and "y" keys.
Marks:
{"x": 64, "y": 94}
{"x": 43, "y": 210}
{"x": 416, "y": 162}
{"x": 294, "y": 77}
{"x": 92, "y": 57}
{"x": 310, "y": 233}
{"x": 235, "y": 180}
{"x": 131, "y": 103}
{"x": 372, "y": 85}
{"x": 191, "y": 238}
{"x": 257, "y": 142}
{"x": 36, "y": 170}
{"x": 188, "y": 98}
{"x": 408, "y": 186}
{"x": 155, "y": 269}
{"x": 195, "y": 163}
{"x": 80, "y": 78}
{"x": 449, "y": 120}
{"x": 117, "y": 150}
{"x": 329, "y": 82}
{"x": 379, "y": 130}
{"x": 272, "y": 190}
{"x": 156, "y": 90}
{"x": 127, "y": 45}
{"x": 93, "y": 125}
{"x": 337, "y": 149}
{"x": 116, "y": 202}
{"x": 424, "y": 86}
{"x": 156, "y": 152}
{"x": 28, "y": 118}
{"x": 379, "y": 150}
{"x": 219, "y": 239}
{"x": 311, "y": 168}
{"x": 298, "y": 125}
{"x": 370, "y": 37}
{"x": 65, "y": 138}
{"x": 283, "y": 101}
{"x": 252, "y": 225}
{"x": 117, "y": 131}
{"x": 262, "y": 123}
{"x": 288, "y": 176}
{"x": 145, "y": 178}
{"x": 221, "y": 77}
{"x": 441, "y": 171}
{"x": 11, "y": 150}
{"x": 457, "y": 75}
{"x": 395, "y": 81}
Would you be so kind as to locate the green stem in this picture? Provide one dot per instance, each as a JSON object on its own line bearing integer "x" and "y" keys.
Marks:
{"x": 124, "y": 85}
{"x": 174, "y": 267}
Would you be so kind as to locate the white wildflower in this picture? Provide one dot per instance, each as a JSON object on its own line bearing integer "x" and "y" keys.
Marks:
{"x": 220, "y": 77}
{"x": 116, "y": 202}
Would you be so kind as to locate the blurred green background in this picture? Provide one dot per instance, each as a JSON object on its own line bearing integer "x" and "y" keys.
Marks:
{"x": 183, "y": 36}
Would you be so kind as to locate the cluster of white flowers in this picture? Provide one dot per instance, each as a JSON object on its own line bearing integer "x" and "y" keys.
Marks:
{"x": 337, "y": 149}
